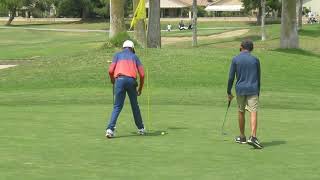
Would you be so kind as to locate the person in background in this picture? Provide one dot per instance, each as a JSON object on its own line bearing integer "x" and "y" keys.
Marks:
{"x": 169, "y": 27}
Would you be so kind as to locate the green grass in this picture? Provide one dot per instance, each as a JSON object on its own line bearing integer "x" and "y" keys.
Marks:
{"x": 28, "y": 44}
{"x": 203, "y": 26}
{"x": 95, "y": 25}
{"x": 55, "y": 107}
{"x": 101, "y": 25}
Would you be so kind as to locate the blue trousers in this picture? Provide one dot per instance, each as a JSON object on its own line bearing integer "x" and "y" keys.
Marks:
{"x": 125, "y": 85}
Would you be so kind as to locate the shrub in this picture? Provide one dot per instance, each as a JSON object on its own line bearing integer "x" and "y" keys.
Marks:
{"x": 117, "y": 41}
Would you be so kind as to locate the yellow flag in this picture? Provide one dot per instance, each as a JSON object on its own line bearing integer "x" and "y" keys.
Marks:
{"x": 139, "y": 14}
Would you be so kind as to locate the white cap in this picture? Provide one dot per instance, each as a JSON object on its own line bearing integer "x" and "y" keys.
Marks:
{"x": 128, "y": 43}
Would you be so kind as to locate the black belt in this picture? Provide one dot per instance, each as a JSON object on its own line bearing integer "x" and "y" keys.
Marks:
{"x": 123, "y": 76}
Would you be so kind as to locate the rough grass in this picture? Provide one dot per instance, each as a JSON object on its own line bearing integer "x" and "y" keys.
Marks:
{"x": 205, "y": 28}
{"x": 28, "y": 44}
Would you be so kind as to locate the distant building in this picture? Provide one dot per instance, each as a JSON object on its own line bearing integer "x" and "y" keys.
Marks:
{"x": 226, "y": 8}
{"x": 178, "y": 8}
{"x": 199, "y": 2}
{"x": 313, "y": 5}
{"x": 225, "y": 5}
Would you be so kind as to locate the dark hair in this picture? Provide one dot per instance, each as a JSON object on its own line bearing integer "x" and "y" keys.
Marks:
{"x": 131, "y": 49}
{"x": 247, "y": 44}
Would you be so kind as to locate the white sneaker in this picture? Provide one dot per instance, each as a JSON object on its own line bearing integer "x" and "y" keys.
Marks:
{"x": 141, "y": 131}
{"x": 109, "y": 133}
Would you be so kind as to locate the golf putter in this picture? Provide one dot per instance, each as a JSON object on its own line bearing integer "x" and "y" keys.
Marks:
{"x": 113, "y": 93}
{"x": 224, "y": 120}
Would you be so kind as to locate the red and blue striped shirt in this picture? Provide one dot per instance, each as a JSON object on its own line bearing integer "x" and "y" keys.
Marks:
{"x": 126, "y": 63}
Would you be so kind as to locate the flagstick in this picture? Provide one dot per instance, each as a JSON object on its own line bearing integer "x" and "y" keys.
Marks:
{"x": 147, "y": 74}
{"x": 148, "y": 101}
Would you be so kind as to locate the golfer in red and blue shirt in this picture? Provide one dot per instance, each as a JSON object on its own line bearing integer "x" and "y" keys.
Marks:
{"x": 123, "y": 74}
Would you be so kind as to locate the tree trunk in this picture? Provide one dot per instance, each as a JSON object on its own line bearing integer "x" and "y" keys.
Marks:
{"x": 154, "y": 33}
{"x": 299, "y": 13}
{"x": 263, "y": 18}
{"x": 289, "y": 34}
{"x": 259, "y": 15}
{"x": 117, "y": 24}
{"x": 84, "y": 12}
{"x": 140, "y": 28}
{"x": 194, "y": 23}
{"x": 11, "y": 18}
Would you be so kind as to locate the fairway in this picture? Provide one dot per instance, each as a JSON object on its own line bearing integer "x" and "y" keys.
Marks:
{"x": 55, "y": 105}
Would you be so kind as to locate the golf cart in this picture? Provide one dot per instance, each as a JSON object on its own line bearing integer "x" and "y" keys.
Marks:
{"x": 313, "y": 20}
{"x": 181, "y": 26}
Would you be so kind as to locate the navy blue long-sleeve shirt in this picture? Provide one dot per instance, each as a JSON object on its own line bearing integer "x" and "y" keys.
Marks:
{"x": 247, "y": 70}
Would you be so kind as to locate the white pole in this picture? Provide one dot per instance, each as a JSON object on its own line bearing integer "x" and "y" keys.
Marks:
{"x": 194, "y": 23}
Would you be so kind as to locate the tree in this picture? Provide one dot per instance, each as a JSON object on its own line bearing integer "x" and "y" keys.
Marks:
{"x": 128, "y": 8}
{"x": 140, "y": 27}
{"x": 271, "y": 6}
{"x": 289, "y": 34}
{"x": 102, "y": 8}
{"x": 263, "y": 17}
{"x": 117, "y": 23}
{"x": 39, "y": 8}
{"x": 154, "y": 33}
{"x": 299, "y": 13}
{"x": 194, "y": 23}
{"x": 274, "y": 7}
{"x": 76, "y": 8}
{"x": 12, "y": 6}
{"x": 3, "y": 11}
{"x": 252, "y": 5}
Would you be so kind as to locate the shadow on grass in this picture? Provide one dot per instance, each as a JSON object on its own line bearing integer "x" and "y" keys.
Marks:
{"x": 214, "y": 43}
{"x": 234, "y": 39}
{"x": 251, "y": 37}
{"x": 273, "y": 143}
{"x": 88, "y": 21}
{"x": 311, "y": 33}
{"x": 152, "y": 133}
{"x": 40, "y": 24}
{"x": 85, "y": 21}
{"x": 177, "y": 128}
{"x": 298, "y": 52}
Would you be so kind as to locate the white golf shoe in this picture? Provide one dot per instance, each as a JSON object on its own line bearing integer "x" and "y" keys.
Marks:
{"x": 109, "y": 133}
{"x": 141, "y": 131}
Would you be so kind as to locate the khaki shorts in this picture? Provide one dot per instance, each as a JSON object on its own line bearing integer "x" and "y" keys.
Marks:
{"x": 249, "y": 103}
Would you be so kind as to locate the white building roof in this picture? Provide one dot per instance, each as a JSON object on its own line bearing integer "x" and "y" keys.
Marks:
{"x": 224, "y": 8}
{"x": 170, "y": 4}
{"x": 225, "y": 5}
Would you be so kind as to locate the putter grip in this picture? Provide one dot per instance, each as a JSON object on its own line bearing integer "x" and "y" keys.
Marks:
{"x": 229, "y": 102}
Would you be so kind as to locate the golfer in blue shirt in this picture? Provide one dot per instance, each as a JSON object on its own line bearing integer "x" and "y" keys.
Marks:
{"x": 246, "y": 68}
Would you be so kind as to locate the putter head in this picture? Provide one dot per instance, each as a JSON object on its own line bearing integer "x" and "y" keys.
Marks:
{"x": 224, "y": 133}
{"x": 229, "y": 102}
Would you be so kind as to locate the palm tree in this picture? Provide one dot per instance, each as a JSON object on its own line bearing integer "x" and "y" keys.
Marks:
{"x": 299, "y": 13}
{"x": 154, "y": 34}
{"x": 289, "y": 33}
{"x": 194, "y": 23}
{"x": 117, "y": 23}
{"x": 263, "y": 18}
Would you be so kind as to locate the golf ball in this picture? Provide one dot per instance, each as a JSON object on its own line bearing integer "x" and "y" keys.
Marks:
{"x": 162, "y": 133}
